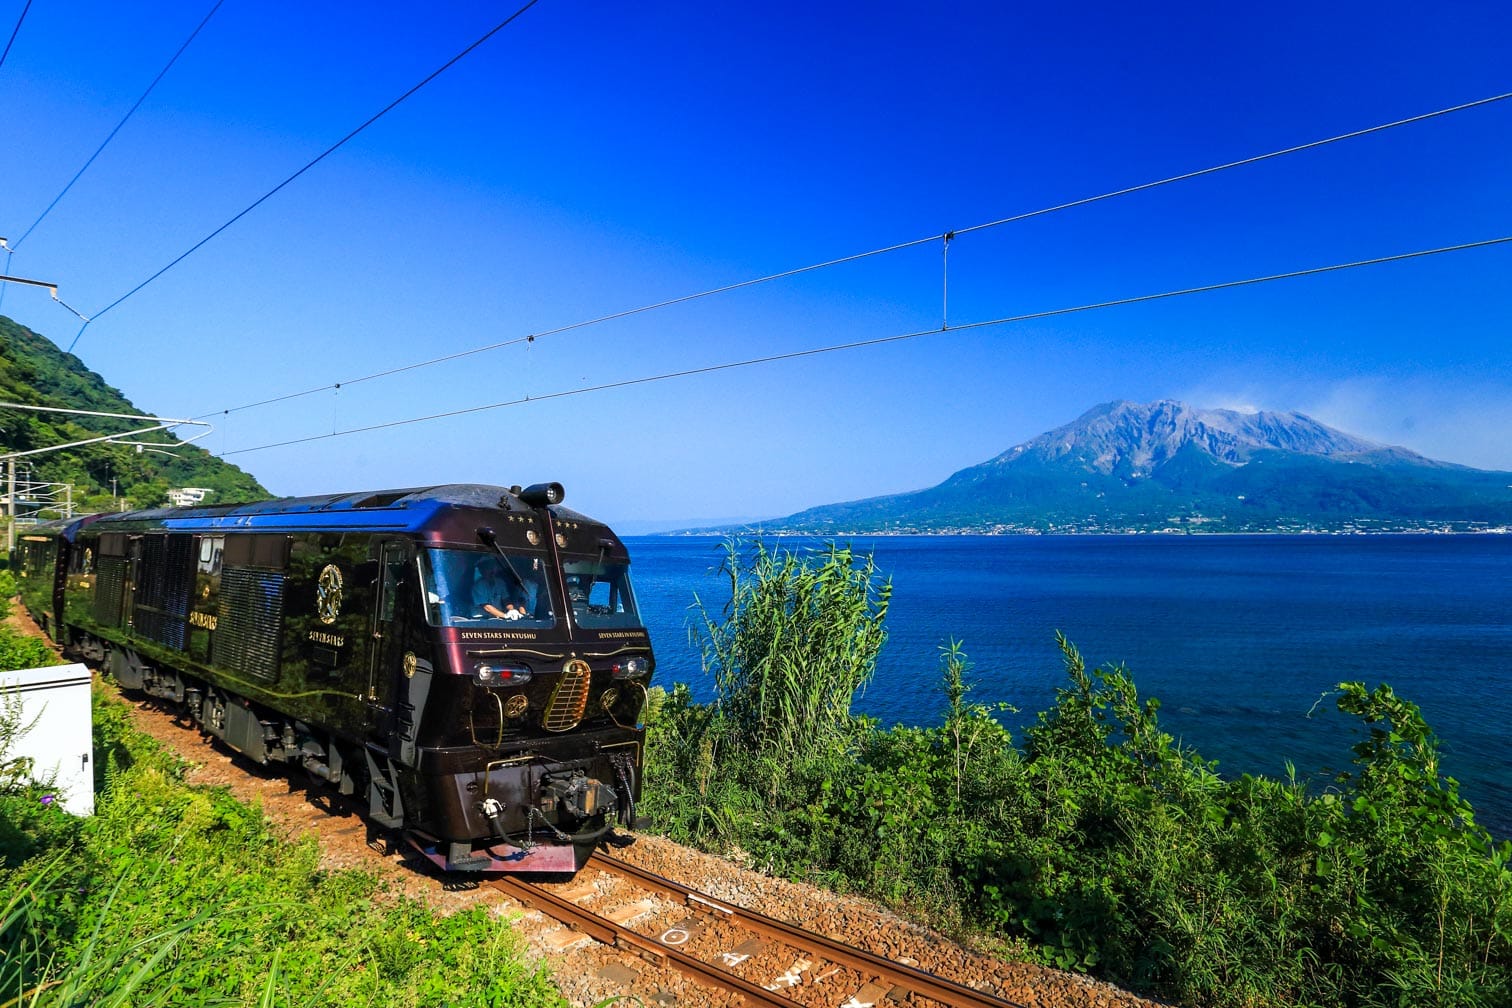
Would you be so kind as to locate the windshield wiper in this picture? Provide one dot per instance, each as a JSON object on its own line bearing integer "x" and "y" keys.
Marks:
{"x": 487, "y": 535}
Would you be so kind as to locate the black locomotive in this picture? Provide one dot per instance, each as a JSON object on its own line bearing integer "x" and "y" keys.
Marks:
{"x": 466, "y": 659}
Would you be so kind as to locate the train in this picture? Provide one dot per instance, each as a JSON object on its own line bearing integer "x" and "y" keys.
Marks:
{"x": 467, "y": 662}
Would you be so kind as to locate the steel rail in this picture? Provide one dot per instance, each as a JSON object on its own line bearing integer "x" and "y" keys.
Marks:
{"x": 618, "y": 935}
{"x": 936, "y": 988}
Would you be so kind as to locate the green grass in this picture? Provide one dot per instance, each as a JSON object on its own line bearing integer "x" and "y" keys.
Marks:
{"x": 178, "y": 895}
{"x": 19, "y": 651}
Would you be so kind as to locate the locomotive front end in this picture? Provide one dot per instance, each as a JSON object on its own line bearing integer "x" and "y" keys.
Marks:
{"x": 534, "y": 750}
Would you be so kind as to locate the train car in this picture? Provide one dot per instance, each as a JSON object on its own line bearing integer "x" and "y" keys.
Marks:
{"x": 467, "y": 659}
{"x": 35, "y": 565}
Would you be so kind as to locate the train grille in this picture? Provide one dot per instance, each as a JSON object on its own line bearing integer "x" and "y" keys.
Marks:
{"x": 570, "y": 698}
{"x": 162, "y": 598}
{"x": 250, "y": 622}
{"x": 111, "y": 574}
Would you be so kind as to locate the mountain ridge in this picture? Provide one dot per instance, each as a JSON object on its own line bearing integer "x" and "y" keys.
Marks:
{"x": 1167, "y": 466}
{"x": 1151, "y": 433}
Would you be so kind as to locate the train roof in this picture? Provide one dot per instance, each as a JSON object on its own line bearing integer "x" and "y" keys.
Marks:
{"x": 56, "y": 528}
{"x": 411, "y": 509}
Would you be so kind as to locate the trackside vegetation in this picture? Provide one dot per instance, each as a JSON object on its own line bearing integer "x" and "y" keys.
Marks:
{"x": 19, "y": 651}
{"x": 176, "y": 895}
{"x": 180, "y": 895}
{"x": 1094, "y": 843}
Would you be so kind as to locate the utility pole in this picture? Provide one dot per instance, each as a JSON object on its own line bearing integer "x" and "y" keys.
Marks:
{"x": 10, "y": 499}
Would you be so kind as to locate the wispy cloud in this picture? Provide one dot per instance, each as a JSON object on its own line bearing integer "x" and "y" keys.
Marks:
{"x": 1468, "y": 423}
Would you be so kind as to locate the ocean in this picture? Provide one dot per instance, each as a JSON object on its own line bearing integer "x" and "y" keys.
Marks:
{"x": 1241, "y": 638}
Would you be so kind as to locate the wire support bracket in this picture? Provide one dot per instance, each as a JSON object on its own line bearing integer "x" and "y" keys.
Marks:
{"x": 945, "y": 240}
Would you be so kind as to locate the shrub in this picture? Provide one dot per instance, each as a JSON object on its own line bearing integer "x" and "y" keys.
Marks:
{"x": 19, "y": 651}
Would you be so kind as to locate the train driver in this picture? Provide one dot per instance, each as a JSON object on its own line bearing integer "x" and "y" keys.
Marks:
{"x": 493, "y": 594}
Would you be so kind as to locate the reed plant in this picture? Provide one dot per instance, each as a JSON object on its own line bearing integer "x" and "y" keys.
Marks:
{"x": 794, "y": 645}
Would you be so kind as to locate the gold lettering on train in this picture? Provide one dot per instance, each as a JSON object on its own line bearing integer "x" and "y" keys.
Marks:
{"x": 493, "y": 635}
{"x": 203, "y": 619}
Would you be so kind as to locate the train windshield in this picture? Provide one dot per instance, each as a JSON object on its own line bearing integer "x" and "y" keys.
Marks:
{"x": 600, "y": 594}
{"x": 477, "y": 589}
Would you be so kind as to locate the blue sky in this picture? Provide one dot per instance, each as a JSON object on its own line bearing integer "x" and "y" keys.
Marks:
{"x": 592, "y": 158}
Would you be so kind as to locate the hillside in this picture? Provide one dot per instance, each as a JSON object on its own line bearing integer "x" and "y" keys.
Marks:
{"x": 1164, "y": 466}
{"x": 34, "y": 372}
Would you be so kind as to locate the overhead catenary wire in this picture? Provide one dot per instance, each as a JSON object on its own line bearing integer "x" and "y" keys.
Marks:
{"x": 310, "y": 164}
{"x": 10, "y": 42}
{"x": 882, "y": 340}
{"x": 945, "y": 238}
{"x": 14, "y": 32}
{"x": 85, "y": 167}
{"x": 1241, "y": 162}
{"x": 627, "y": 313}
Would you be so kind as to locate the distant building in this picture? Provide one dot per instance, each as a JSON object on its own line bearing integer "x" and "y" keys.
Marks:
{"x": 188, "y": 496}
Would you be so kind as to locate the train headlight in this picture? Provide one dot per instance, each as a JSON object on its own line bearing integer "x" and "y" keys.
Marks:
{"x": 500, "y": 675}
{"x": 628, "y": 669}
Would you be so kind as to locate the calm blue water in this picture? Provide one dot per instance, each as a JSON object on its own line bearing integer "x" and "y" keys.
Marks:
{"x": 1238, "y": 636}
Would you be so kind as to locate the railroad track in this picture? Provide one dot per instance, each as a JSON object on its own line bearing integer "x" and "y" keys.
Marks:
{"x": 760, "y": 959}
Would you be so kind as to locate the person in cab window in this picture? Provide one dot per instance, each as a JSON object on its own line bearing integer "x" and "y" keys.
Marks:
{"x": 491, "y": 590}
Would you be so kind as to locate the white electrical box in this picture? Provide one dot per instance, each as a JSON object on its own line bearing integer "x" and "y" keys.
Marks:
{"x": 59, "y": 743}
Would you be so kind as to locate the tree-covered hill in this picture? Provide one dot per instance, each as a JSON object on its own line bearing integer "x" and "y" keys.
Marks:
{"x": 34, "y": 372}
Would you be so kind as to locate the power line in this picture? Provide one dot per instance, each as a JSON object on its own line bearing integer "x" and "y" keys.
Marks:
{"x": 881, "y": 340}
{"x": 118, "y": 126}
{"x": 1242, "y": 162}
{"x": 14, "y": 32}
{"x": 943, "y": 237}
{"x": 312, "y": 163}
{"x": 564, "y": 328}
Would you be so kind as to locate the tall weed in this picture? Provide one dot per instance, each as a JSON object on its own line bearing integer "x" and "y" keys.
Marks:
{"x": 32, "y": 819}
{"x": 796, "y": 642}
